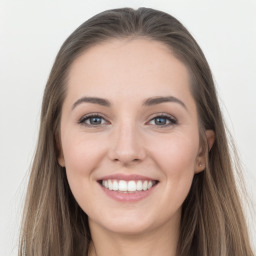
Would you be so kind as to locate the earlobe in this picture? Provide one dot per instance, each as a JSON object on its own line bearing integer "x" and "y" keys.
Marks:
{"x": 202, "y": 157}
{"x": 200, "y": 165}
{"x": 61, "y": 159}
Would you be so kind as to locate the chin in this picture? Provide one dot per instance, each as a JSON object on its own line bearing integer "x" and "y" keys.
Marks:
{"x": 127, "y": 228}
{"x": 131, "y": 223}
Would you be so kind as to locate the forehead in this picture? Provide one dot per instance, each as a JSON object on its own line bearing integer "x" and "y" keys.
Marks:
{"x": 128, "y": 68}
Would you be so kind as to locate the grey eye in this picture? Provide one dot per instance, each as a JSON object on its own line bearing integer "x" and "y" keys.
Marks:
{"x": 93, "y": 120}
{"x": 162, "y": 121}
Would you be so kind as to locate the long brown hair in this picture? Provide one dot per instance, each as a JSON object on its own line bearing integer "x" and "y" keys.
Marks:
{"x": 212, "y": 222}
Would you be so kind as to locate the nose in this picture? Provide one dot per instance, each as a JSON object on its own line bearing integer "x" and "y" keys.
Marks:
{"x": 126, "y": 145}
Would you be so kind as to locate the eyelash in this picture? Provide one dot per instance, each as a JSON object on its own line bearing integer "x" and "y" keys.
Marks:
{"x": 170, "y": 120}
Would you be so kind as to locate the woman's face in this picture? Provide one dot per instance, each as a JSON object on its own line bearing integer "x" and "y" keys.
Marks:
{"x": 129, "y": 135}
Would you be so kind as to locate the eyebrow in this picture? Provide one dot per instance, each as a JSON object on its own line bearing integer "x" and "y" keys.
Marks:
{"x": 159, "y": 100}
{"x": 94, "y": 100}
{"x": 148, "y": 102}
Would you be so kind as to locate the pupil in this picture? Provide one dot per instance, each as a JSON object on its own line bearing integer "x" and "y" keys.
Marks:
{"x": 95, "y": 120}
{"x": 160, "y": 120}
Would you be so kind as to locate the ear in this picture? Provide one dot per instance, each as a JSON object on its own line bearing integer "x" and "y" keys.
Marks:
{"x": 210, "y": 136}
{"x": 202, "y": 155}
{"x": 61, "y": 159}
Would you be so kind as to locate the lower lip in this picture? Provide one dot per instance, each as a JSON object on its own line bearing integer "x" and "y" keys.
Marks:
{"x": 129, "y": 196}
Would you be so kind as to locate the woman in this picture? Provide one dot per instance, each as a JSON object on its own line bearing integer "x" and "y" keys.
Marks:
{"x": 132, "y": 155}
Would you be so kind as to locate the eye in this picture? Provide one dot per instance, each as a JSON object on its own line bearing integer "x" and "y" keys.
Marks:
{"x": 93, "y": 120}
{"x": 163, "y": 120}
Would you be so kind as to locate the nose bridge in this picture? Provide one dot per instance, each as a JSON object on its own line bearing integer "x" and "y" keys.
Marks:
{"x": 127, "y": 143}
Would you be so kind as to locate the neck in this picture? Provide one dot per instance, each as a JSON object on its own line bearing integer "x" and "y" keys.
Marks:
{"x": 162, "y": 241}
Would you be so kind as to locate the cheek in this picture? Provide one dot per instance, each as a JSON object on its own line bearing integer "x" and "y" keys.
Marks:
{"x": 176, "y": 160}
{"x": 81, "y": 154}
{"x": 176, "y": 153}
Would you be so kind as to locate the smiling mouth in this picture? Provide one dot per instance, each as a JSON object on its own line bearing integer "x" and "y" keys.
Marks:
{"x": 130, "y": 186}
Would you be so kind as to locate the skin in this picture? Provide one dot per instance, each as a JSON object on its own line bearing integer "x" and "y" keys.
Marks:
{"x": 128, "y": 140}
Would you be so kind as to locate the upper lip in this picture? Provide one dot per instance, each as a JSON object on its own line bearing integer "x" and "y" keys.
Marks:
{"x": 120, "y": 176}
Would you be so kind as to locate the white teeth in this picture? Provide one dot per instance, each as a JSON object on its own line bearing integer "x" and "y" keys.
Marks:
{"x": 105, "y": 183}
{"x": 127, "y": 186}
{"x": 150, "y": 184}
{"x": 110, "y": 186}
{"x": 131, "y": 186}
{"x": 122, "y": 185}
{"x": 139, "y": 185}
{"x": 145, "y": 185}
{"x": 115, "y": 185}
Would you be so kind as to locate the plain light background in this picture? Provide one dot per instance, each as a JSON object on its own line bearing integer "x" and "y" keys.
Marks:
{"x": 31, "y": 33}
